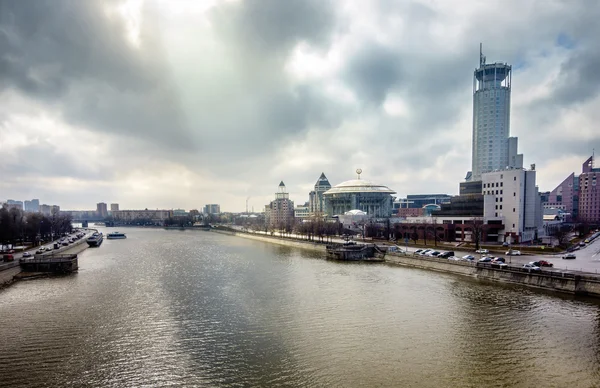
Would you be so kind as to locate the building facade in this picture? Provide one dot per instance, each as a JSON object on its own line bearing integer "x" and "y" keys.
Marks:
{"x": 114, "y": 207}
{"x": 589, "y": 196}
{"x": 102, "y": 209}
{"x": 511, "y": 197}
{"x": 302, "y": 211}
{"x": 32, "y": 206}
{"x": 315, "y": 197}
{"x": 492, "y": 149}
{"x": 212, "y": 209}
{"x": 280, "y": 212}
{"x": 374, "y": 199}
{"x": 157, "y": 216}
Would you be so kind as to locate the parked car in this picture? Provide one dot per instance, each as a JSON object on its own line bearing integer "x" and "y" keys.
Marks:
{"x": 468, "y": 257}
{"x": 454, "y": 258}
{"x": 8, "y": 257}
{"x": 505, "y": 244}
{"x": 418, "y": 251}
{"x": 498, "y": 264}
{"x": 485, "y": 260}
{"x": 482, "y": 251}
{"x": 56, "y": 245}
{"x": 543, "y": 263}
{"x": 531, "y": 267}
{"x": 426, "y": 252}
{"x": 498, "y": 260}
{"x": 446, "y": 255}
{"x": 65, "y": 243}
{"x": 513, "y": 253}
{"x": 40, "y": 250}
{"x": 27, "y": 254}
{"x": 569, "y": 256}
{"x": 433, "y": 253}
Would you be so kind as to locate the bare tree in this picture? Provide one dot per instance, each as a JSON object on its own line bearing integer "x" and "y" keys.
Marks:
{"x": 477, "y": 228}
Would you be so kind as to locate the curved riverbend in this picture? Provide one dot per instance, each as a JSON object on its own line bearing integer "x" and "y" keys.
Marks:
{"x": 193, "y": 308}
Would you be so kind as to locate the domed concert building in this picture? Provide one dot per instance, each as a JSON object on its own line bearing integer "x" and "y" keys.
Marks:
{"x": 358, "y": 194}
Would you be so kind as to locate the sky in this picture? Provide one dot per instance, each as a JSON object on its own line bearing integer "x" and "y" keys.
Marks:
{"x": 176, "y": 104}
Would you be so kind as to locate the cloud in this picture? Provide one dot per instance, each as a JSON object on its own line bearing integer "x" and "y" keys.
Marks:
{"x": 219, "y": 101}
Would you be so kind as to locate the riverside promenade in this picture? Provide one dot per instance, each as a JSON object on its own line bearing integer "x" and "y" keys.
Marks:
{"x": 8, "y": 271}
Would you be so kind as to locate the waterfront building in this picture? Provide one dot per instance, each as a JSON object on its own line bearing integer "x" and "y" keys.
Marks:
{"x": 180, "y": 213}
{"x": 302, "y": 211}
{"x": 492, "y": 148}
{"x": 114, "y": 207}
{"x": 316, "y": 200}
{"x": 156, "y": 216}
{"x": 102, "y": 209}
{"x": 54, "y": 209}
{"x": 511, "y": 197}
{"x": 280, "y": 212}
{"x": 358, "y": 194}
{"x": 212, "y": 209}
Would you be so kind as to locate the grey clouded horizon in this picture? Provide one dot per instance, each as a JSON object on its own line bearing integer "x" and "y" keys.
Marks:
{"x": 166, "y": 104}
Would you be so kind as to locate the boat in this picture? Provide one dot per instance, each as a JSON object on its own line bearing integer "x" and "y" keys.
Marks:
{"x": 95, "y": 239}
{"x": 351, "y": 251}
{"x": 115, "y": 235}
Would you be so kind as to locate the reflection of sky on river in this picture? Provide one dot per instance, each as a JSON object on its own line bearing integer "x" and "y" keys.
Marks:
{"x": 202, "y": 309}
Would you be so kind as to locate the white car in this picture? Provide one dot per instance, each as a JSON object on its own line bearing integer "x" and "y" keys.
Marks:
{"x": 426, "y": 252}
{"x": 531, "y": 267}
{"x": 482, "y": 251}
{"x": 513, "y": 253}
{"x": 27, "y": 254}
{"x": 468, "y": 257}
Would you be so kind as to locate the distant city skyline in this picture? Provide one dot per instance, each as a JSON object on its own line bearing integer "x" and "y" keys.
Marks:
{"x": 382, "y": 86}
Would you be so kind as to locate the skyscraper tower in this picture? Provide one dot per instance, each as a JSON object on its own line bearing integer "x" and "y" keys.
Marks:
{"x": 492, "y": 147}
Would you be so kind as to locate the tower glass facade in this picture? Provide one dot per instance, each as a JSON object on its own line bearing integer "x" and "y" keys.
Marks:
{"x": 491, "y": 118}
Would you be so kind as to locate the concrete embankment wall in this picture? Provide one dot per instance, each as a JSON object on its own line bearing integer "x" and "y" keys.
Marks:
{"x": 555, "y": 281}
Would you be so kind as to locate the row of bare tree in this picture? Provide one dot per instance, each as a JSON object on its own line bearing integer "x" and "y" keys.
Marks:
{"x": 18, "y": 227}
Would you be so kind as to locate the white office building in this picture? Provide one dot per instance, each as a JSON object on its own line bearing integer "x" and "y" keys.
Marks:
{"x": 511, "y": 196}
{"x": 492, "y": 148}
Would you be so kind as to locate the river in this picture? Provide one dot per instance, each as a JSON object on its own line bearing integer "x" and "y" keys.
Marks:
{"x": 192, "y": 308}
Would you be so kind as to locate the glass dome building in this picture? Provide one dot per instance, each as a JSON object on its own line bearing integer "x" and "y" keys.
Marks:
{"x": 374, "y": 199}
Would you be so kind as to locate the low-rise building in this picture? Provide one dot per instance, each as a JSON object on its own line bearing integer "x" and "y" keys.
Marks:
{"x": 141, "y": 215}
{"x": 511, "y": 197}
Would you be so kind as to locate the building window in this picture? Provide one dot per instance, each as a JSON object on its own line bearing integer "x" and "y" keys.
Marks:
{"x": 514, "y": 210}
{"x": 501, "y": 184}
{"x": 514, "y": 194}
{"x": 515, "y": 179}
{"x": 500, "y": 207}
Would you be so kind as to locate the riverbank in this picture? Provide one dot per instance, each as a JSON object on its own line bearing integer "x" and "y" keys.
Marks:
{"x": 559, "y": 281}
{"x": 10, "y": 274}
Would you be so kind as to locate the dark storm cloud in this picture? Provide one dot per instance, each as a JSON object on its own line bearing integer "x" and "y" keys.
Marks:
{"x": 372, "y": 72}
{"x": 72, "y": 55}
{"x": 579, "y": 78}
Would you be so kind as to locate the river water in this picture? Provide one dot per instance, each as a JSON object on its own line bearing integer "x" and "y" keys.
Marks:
{"x": 191, "y": 308}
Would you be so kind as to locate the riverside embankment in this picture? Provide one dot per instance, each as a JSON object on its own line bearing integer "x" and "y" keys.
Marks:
{"x": 579, "y": 283}
{"x": 8, "y": 271}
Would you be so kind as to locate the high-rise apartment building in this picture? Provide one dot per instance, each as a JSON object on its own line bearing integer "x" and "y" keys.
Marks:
{"x": 32, "y": 206}
{"x": 101, "y": 209}
{"x": 492, "y": 148}
{"x": 315, "y": 197}
{"x": 280, "y": 212}
{"x": 212, "y": 208}
{"x": 589, "y": 194}
{"x": 114, "y": 207}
